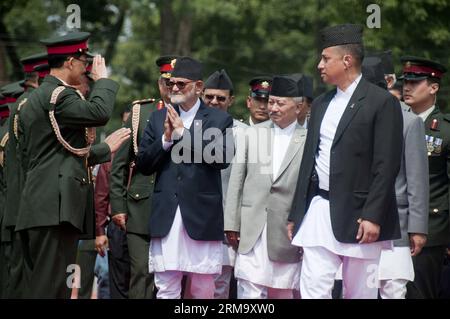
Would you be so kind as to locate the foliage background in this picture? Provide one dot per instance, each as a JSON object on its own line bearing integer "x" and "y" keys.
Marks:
{"x": 246, "y": 37}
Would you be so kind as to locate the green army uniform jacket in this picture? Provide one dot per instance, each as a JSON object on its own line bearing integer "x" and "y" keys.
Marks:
{"x": 57, "y": 185}
{"x": 437, "y": 130}
{"x": 132, "y": 194}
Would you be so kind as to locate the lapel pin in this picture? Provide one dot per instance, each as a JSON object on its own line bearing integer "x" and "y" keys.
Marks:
{"x": 351, "y": 106}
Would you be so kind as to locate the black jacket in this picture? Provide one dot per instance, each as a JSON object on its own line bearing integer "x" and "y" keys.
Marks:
{"x": 364, "y": 162}
{"x": 195, "y": 186}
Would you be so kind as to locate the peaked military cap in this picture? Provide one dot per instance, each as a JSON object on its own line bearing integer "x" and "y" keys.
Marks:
{"x": 290, "y": 85}
{"x": 73, "y": 42}
{"x": 416, "y": 69}
{"x": 372, "y": 70}
{"x": 260, "y": 86}
{"x": 219, "y": 80}
{"x": 188, "y": 68}
{"x": 13, "y": 90}
{"x": 42, "y": 70}
{"x": 31, "y": 61}
{"x": 341, "y": 34}
{"x": 166, "y": 64}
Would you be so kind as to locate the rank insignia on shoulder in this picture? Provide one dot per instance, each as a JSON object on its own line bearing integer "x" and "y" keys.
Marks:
{"x": 143, "y": 101}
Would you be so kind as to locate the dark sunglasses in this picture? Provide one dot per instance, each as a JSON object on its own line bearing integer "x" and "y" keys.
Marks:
{"x": 180, "y": 84}
{"x": 218, "y": 97}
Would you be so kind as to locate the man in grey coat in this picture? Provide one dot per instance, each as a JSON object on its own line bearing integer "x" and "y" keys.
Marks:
{"x": 260, "y": 194}
{"x": 412, "y": 192}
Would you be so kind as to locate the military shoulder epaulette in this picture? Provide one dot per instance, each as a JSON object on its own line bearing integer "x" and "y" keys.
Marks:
{"x": 144, "y": 101}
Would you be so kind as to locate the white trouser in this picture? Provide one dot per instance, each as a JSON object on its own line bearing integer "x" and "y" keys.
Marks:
{"x": 393, "y": 288}
{"x": 222, "y": 283}
{"x": 360, "y": 276}
{"x": 169, "y": 285}
{"x": 249, "y": 290}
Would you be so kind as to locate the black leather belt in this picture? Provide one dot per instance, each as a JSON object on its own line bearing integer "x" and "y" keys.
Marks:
{"x": 324, "y": 194}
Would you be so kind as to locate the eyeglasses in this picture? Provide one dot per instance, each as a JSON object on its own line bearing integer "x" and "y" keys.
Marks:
{"x": 180, "y": 84}
{"x": 219, "y": 98}
{"x": 86, "y": 62}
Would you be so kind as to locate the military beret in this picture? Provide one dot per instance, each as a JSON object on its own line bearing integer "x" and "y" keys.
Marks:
{"x": 341, "y": 34}
{"x": 416, "y": 69}
{"x": 188, "y": 68}
{"x": 219, "y": 80}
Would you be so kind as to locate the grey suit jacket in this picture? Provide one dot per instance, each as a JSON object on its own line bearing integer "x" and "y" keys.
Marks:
{"x": 238, "y": 129}
{"x": 255, "y": 198}
{"x": 411, "y": 185}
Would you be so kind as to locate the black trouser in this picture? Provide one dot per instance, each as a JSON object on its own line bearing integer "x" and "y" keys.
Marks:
{"x": 16, "y": 280}
{"x": 118, "y": 262}
{"x": 141, "y": 281}
{"x": 428, "y": 268}
{"x": 86, "y": 260}
{"x": 5, "y": 249}
{"x": 49, "y": 260}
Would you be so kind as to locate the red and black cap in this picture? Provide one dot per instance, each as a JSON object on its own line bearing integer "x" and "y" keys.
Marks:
{"x": 417, "y": 69}
{"x": 260, "y": 86}
{"x": 71, "y": 43}
{"x": 31, "y": 61}
{"x": 42, "y": 70}
{"x": 166, "y": 63}
{"x": 10, "y": 92}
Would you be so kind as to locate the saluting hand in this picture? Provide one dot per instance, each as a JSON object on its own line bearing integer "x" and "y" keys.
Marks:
{"x": 368, "y": 232}
{"x": 99, "y": 70}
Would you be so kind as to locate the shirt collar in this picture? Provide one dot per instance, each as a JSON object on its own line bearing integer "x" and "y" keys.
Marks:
{"x": 349, "y": 91}
{"x": 193, "y": 110}
{"x": 425, "y": 114}
{"x": 288, "y": 130}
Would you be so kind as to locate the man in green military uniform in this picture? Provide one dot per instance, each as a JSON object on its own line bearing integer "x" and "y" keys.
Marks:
{"x": 130, "y": 191}
{"x": 9, "y": 95}
{"x": 258, "y": 98}
{"x": 55, "y": 140}
{"x": 31, "y": 82}
{"x": 421, "y": 83}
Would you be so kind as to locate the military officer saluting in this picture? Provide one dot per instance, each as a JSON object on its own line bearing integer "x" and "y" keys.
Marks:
{"x": 55, "y": 140}
{"x": 130, "y": 191}
{"x": 421, "y": 84}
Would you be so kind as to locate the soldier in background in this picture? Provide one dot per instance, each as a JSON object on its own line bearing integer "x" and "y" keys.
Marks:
{"x": 257, "y": 99}
{"x": 422, "y": 78}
